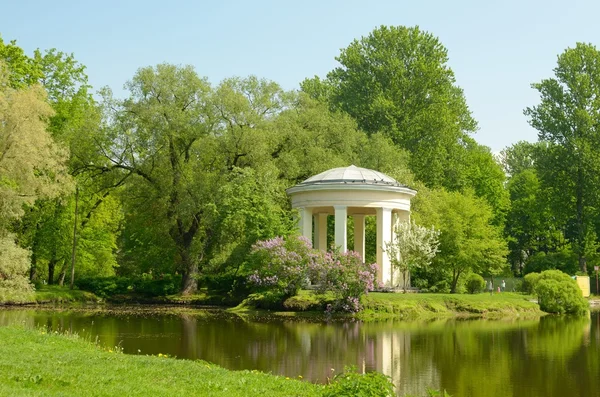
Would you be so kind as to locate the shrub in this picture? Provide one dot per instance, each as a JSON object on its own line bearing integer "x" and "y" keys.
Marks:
{"x": 351, "y": 383}
{"x": 559, "y": 293}
{"x": 345, "y": 275}
{"x": 280, "y": 265}
{"x": 475, "y": 283}
{"x": 104, "y": 286}
{"x": 529, "y": 282}
{"x": 229, "y": 284}
{"x": 14, "y": 264}
{"x": 166, "y": 284}
{"x": 145, "y": 284}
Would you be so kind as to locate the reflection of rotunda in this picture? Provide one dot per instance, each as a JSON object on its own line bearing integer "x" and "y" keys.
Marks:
{"x": 356, "y": 192}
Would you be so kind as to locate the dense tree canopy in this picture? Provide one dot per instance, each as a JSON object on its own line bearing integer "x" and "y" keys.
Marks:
{"x": 468, "y": 242}
{"x": 180, "y": 177}
{"x": 567, "y": 118}
{"x": 32, "y": 166}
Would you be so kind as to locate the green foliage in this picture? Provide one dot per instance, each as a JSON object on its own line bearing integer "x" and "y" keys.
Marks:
{"x": 104, "y": 287}
{"x": 566, "y": 118}
{"x": 469, "y": 242}
{"x": 162, "y": 285}
{"x": 475, "y": 283}
{"x": 146, "y": 285}
{"x": 308, "y": 301}
{"x": 309, "y": 139}
{"x": 564, "y": 260}
{"x": 559, "y": 293}
{"x": 529, "y": 282}
{"x": 227, "y": 283}
{"x": 24, "y": 71}
{"x": 251, "y": 206}
{"x": 396, "y": 81}
{"x": 351, "y": 383}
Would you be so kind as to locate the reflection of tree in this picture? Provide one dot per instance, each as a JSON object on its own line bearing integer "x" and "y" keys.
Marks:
{"x": 557, "y": 337}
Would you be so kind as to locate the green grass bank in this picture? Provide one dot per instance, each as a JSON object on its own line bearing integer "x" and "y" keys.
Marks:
{"x": 379, "y": 305}
{"x": 376, "y": 305}
{"x": 34, "y": 363}
{"x": 50, "y": 294}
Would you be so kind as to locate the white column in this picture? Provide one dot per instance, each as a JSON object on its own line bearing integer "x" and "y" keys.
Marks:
{"x": 305, "y": 222}
{"x": 321, "y": 231}
{"x": 384, "y": 237}
{"x": 359, "y": 235}
{"x": 341, "y": 227}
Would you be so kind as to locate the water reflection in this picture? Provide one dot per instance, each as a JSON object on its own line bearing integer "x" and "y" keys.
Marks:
{"x": 553, "y": 356}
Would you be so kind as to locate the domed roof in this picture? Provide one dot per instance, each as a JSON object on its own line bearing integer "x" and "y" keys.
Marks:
{"x": 351, "y": 175}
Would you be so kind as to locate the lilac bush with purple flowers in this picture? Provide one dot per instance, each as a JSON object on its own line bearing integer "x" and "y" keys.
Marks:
{"x": 345, "y": 275}
{"x": 282, "y": 267}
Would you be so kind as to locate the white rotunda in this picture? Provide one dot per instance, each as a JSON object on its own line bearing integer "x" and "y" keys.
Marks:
{"x": 357, "y": 192}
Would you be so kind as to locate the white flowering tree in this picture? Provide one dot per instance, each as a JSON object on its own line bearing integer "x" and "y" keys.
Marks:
{"x": 414, "y": 246}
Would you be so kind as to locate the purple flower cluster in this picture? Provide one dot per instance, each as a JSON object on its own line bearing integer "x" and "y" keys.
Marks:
{"x": 280, "y": 264}
{"x": 286, "y": 265}
{"x": 345, "y": 275}
{"x": 266, "y": 281}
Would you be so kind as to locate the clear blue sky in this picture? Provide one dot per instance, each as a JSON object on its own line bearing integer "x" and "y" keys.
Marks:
{"x": 497, "y": 49}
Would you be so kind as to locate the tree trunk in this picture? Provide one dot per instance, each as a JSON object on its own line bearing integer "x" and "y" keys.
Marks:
{"x": 580, "y": 219}
{"x": 455, "y": 276}
{"x": 74, "y": 251}
{"x": 189, "y": 284}
{"x": 32, "y": 269}
{"x": 62, "y": 274}
{"x": 51, "y": 267}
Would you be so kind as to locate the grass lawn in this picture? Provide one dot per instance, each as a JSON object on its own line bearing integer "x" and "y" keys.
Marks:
{"x": 51, "y": 294}
{"x": 57, "y": 294}
{"x": 34, "y": 363}
{"x": 413, "y": 306}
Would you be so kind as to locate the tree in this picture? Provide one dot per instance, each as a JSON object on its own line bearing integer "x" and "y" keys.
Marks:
{"x": 156, "y": 137}
{"x": 250, "y": 206}
{"x": 47, "y": 227}
{"x": 469, "y": 242}
{"x": 518, "y": 157}
{"x": 22, "y": 70}
{"x": 567, "y": 118}
{"x": 396, "y": 81}
{"x": 413, "y": 247}
{"x": 32, "y": 166}
{"x": 308, "y": 138}
{"x": 484, "y": 175}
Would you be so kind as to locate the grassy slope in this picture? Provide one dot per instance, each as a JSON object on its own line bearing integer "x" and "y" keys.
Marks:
{"x": 33, "y": 363}
{"x": 56, "y": 294}
{"x": 413, "y": 306}
{"x": 52, "y": 294}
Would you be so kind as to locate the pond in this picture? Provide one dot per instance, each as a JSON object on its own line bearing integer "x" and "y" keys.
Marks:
{"x": 551, "y": 356}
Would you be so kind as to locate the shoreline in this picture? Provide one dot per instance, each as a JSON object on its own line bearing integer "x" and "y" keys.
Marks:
{"x": 376, "y": 306}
